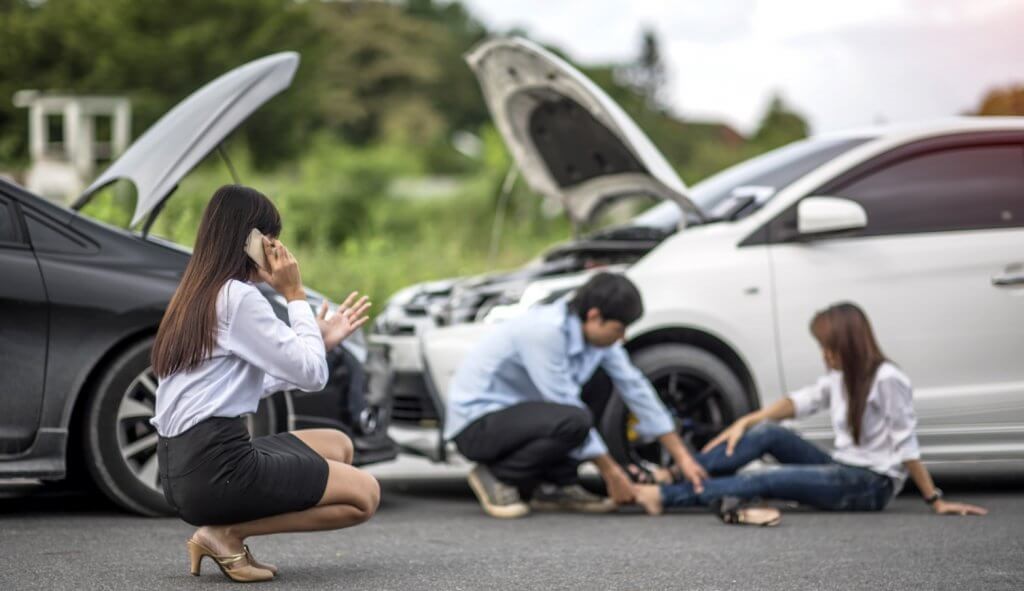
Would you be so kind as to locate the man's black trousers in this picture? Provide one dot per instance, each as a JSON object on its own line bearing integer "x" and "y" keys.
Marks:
{"x": 528, "y": 443}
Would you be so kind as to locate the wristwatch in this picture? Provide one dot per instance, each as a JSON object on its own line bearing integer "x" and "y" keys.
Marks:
{"x": 935, "y": 496}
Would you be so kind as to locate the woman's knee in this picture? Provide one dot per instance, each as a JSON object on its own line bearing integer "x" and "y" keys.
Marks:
{"x": 340, "y": 446}
{"x": 346, "y": 449}
{"x": 357, "y": 505}
{"x": 766, "y": 429}
{"x": 366, "y": 494}
{"x": 368, "y": 500}
{"x": 329, "y": 443}
{"x": 371, "y": 499}
{"x": 343, "y": 515}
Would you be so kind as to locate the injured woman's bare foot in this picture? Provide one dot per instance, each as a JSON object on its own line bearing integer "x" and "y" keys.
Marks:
{"x": 648, "y": 496}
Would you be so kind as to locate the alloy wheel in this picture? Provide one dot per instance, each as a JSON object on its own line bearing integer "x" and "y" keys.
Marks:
{"x": 136, "y": 437}
{"x": 697, "y": 405}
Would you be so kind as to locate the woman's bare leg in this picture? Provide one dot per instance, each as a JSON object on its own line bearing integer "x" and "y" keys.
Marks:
{"x": 350, "y": 498}
{"x": 648, "y": 496}
{"x": 329, "y": 443}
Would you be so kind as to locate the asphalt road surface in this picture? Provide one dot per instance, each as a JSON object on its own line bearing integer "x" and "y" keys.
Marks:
{"x": 431, "y": 534}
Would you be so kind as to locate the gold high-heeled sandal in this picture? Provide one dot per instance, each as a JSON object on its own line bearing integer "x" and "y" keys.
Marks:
{"x": 256, "y": 563}
{"x": 229, "y": 564}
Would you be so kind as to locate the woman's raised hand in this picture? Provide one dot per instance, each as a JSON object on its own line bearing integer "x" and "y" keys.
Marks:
{"x": 283, "y": 273}
{"x": 730, "y": 437}
{"x": 351, "y": 315}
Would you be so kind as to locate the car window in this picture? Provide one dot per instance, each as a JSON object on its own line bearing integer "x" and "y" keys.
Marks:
{"x": 7, "y": 221}
{"x": 962, "y": 188}
{"x": 46, "y": 237}
{"x": 772, "y": 170}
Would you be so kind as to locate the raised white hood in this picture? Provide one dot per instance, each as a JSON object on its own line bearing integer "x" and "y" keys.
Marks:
{"x": 569, "y": 139}
{"x": 179, "y": 141}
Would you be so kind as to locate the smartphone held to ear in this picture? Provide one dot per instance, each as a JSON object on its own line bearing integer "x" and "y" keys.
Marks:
{"x": 254, "y": 248}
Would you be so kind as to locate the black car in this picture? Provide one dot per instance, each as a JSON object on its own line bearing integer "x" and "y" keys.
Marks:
{"x": 80, "y": 303}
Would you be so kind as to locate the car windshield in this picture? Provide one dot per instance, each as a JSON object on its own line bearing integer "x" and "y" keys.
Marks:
{"x": 759, "y": 177}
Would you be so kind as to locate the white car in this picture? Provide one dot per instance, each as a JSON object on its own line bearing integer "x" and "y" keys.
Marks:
{"x": 922, "y": 226}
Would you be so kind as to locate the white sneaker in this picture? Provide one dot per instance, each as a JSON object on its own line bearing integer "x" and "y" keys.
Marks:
{"x": 497, "y": 498}
{"x": 549, "y": 497}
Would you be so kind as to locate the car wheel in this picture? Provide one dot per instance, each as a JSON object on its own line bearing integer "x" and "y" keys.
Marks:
{"x": 119, "y": 442}
{"x": 700, "y": 391}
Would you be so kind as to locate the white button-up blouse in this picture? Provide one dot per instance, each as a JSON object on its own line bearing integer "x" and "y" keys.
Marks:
{"x": 255, "y": 355}
{"x": 887, "y": 433}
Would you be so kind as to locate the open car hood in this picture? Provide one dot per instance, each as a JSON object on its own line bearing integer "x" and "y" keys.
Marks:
{"x": 569, "y": 139}
{"x": 179, "y": 141}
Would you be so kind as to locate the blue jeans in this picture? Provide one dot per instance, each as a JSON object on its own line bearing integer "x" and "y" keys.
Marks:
{"x": 808, "y": 475}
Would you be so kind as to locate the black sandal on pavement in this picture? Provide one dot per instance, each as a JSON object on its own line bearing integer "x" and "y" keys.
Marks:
{"x": 733, "y": 511}
{"x": 644, "y": 475}
{"x": 640, "y": 475}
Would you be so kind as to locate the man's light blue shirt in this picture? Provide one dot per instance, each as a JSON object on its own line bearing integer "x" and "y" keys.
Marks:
{"x": 542, "y": 356}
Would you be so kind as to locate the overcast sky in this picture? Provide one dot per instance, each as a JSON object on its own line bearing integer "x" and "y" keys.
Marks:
{"x": 841, "y": 64}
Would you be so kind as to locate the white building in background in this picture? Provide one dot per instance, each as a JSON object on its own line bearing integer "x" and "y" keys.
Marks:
{"x": 70, "y": 137}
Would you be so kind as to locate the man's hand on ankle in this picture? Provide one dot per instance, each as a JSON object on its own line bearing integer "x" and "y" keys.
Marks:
{"x": 694, "y": 473}
{"x": 620, "y": 487}
{"x": 688, "y": 467}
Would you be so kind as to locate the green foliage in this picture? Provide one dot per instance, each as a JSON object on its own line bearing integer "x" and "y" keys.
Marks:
{"x": 155, "y": 52}
{"x": 1005, "y": 101}
{"x": 780, "y": 126}
{"x": 647, "y": 74}
{"x": 345, "y": 152}
{"x": 415, "y": 240}
{"x": 350, "y": 230}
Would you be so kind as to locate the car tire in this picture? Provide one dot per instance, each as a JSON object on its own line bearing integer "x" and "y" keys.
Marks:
{"x": 705, "y": 397}
{"x": 118, "y": 440}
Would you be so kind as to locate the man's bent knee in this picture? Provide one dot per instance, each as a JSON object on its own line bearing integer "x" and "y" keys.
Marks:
{"x": 575, "y": 426}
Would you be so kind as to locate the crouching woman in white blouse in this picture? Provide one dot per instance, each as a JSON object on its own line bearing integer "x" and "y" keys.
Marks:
{"x": 869, "y": 400}
{"x": 219, "y": 350}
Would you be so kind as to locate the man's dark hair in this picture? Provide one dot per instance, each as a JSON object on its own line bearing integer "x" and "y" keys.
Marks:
{"x": 613, "y": 295}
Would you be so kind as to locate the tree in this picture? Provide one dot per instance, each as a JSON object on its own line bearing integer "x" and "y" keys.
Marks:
{"x": 779, "y": 126}
{"x": 647, "y": 74}
{"x": 154, "y": 52}
{"x": 1003, "y": 101}
{"x": 362, "y": 62}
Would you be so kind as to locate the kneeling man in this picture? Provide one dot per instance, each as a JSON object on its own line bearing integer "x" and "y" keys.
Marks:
{"x": 514, "y": 404}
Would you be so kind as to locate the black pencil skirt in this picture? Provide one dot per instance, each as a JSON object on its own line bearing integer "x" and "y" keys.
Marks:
{"x": 216, "y": 474}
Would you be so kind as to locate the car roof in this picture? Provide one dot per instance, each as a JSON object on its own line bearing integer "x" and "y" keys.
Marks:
{"x": 906, "y": 131}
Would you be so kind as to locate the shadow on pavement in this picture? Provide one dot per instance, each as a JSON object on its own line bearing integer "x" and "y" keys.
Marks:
{"x": 54, "y": 498}
{"x": 399, "y": 492}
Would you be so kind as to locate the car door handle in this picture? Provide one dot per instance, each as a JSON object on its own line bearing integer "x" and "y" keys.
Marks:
{"x": 1008, "y": 280}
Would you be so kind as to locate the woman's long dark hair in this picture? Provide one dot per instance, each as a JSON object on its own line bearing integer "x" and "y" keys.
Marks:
{"x": 187, "y": 332}
{"x": 844, "y": 331}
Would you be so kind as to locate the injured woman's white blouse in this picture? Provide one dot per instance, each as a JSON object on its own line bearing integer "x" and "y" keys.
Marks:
{"x": 887, "y": 428}
{"x": 255, "y": 355}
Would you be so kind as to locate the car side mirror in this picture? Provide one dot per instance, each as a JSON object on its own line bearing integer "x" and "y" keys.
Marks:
{"x": 820, "y": 216}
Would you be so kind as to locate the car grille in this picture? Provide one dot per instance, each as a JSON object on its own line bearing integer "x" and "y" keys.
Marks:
{"x": 411, "y": 401}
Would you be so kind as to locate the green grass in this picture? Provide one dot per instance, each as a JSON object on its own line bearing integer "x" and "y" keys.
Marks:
{"x": 351, "y": 233}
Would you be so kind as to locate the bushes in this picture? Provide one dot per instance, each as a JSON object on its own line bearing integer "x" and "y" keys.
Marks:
{"x": 350, "y": 226}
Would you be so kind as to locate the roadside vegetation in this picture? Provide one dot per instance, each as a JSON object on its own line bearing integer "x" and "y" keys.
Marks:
{"x": 381, "y": 157}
